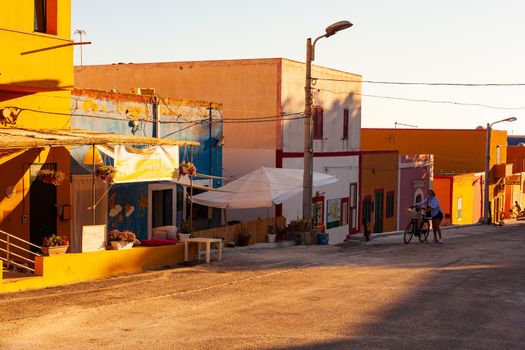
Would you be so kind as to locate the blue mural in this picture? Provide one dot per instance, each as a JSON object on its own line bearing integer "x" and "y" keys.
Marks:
{"x": 133, "y": 115}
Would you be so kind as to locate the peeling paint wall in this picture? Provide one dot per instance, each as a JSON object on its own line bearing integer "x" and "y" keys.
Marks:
{"x": 134, "y": 115}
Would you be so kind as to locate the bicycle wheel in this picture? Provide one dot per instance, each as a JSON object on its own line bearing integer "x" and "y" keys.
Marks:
{"x": 409, "y": 232}
{"x": 425, "y": 229}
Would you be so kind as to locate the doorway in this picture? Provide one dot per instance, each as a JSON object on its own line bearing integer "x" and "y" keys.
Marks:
{"x": 378, "y": 211}
{"x": 162, "y": 206}
{"x": 42, "y": 206}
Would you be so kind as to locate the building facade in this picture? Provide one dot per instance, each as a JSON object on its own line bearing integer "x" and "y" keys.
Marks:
{"x": 455, "y": 152}
{"x": 139, "y": 206}
{"x": 263, "y": 102}
{"x": 35, "y": 84}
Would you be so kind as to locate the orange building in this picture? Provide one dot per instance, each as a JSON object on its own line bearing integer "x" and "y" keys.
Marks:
{"x": 455, "y": 151}
{"x": 379, "y": 176}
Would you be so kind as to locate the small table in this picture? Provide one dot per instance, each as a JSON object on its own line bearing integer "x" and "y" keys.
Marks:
{"x": 199, "y": 241}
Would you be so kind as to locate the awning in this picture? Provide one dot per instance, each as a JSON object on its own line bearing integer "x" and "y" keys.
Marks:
{"x": 31, "y": 138}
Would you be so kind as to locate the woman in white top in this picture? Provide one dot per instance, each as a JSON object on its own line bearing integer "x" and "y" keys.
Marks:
{"x": 437, "y": 214}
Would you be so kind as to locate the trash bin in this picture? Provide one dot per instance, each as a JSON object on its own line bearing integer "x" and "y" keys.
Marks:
{"x": 322, "y": 238}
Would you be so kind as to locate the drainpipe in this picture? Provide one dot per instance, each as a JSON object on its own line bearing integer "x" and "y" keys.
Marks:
{"x": 398, "y": 191}
{"x": 209, "y": 138}
{"x": 156, "y": 121}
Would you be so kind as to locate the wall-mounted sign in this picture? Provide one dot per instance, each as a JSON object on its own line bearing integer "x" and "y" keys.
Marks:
{"x": 513, "y": 180}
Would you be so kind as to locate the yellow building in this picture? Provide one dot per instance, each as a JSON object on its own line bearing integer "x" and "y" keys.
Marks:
{"x": 379, "y": 176}
{"x": 455, "y": 152}
{"x": 36, "y": 76}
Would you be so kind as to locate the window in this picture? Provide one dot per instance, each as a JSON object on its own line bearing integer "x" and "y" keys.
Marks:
{"x": 460, "y": 208}
{"x": 389, "y": 204}
{"x": 317, "y": 113}
{"x": 40, "y": 16}
{"x": 345, "y": 124}
{"x": 344, "y": 211}
{"x": 46, "y": 16}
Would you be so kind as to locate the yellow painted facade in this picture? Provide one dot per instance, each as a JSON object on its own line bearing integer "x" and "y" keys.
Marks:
{"x": 36, "y": 76}
{"x": 379, "y": 173}
{"x": 77, "y": 267}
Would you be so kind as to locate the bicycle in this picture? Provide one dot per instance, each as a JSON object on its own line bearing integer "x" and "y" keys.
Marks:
{"x": 419, "y": 225}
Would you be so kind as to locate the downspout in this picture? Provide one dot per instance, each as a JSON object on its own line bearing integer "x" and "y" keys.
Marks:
{"x": 209, "y": 138}
{"x": 156, "y": 121}
{"x": 398, "y": 191}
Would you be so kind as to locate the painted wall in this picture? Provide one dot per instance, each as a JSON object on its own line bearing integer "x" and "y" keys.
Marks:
{"x": 379, "y": 173}
{"x": 516, "y": 156}
{"x": 415, "y": 175}
{"x": 333, "y": 105}
{"x": 107, "y": 111}
{"x": 37, "y": 73}
{"x": 246, "y": 88}
{"x": 345, "y": 168}
{"x": 455, "y": 151}
{"x": 443, "y": 188}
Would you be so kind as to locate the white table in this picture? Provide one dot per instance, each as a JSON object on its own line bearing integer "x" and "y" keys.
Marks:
{"x": 202, "y": 240}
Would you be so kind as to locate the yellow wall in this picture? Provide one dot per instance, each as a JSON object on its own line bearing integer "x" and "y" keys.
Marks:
{"x": 379, "y": 170}
{"x": 455, "y": 151}
{"x": 36, "y": 77}
{"x": 76, "y": 267}
{"x": 462, "y": 188}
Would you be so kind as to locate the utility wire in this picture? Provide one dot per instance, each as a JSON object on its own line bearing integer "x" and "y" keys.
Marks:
{"x": 423, "y": 100}
{"x": 422, "y": 83}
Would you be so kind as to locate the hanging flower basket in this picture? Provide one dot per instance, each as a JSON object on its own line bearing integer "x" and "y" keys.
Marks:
{"x": 185, "y": 168}
{"x": 53, "y": 177}
{"x": 106, "y": 173}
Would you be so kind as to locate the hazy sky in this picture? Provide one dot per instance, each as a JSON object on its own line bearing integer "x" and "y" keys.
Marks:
{"x": 453, "y": 41}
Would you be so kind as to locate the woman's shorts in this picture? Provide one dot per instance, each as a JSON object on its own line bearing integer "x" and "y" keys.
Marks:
{"x": 439, "y": 216}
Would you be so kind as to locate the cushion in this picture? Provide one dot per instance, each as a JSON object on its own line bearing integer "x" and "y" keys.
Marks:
{"x": 157, "y": 234}
{"x": 167, "y": 229}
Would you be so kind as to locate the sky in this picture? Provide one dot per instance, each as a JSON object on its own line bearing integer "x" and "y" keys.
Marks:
{"x": 446, "y": 41}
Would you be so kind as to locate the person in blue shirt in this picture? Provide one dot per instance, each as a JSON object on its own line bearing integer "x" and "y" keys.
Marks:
{"x": 436, "y": 213}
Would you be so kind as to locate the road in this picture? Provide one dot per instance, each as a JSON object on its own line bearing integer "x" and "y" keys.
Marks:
{"x": 465, "y": 294}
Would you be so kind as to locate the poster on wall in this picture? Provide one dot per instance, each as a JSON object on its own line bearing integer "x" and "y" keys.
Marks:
{"x": 333, "y": 213}
{"x": 148, "y": 164}
{"x": 93, "y": 238}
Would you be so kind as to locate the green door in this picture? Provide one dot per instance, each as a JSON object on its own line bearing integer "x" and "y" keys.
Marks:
{"x": 378, "y": 211}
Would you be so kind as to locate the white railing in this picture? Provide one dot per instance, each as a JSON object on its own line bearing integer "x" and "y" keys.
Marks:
{"x": 9, "y": 255}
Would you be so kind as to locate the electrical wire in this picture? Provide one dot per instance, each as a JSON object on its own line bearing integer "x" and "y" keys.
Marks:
{"x": 423, "y": 100}
{"x": 422, "y": 83}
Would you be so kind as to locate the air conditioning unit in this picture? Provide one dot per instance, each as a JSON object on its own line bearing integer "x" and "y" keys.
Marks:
{"x": 142, "y": 91}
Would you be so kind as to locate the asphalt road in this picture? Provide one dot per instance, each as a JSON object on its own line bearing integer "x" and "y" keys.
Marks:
{"x": 465, "y": 294}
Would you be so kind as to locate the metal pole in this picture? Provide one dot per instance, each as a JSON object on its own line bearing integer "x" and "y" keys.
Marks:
{"x": 94, "y": 198}
{"x": 308, "y": 144}
{"x": 486, "y": 209}
{"x": 155, "y": 102}
{"x": 209, "y": 138}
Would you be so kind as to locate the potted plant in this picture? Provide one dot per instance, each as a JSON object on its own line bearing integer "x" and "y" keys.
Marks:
{"x": 244, "y": 238}
{"x": 121, "y": 239}
{"x": 106, "y": 173}
{"x": 54, "y": 245}
{"x": 301, "y": 231}
{"x": 184, "y": 231}
{"x": 272, "y": 233}
{"x": 53, "y": 177}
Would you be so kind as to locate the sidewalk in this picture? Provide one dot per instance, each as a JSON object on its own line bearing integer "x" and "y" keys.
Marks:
{"x": 448, "y": 232}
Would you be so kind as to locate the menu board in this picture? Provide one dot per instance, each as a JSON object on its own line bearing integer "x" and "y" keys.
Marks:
{"x": 93, "y": 238}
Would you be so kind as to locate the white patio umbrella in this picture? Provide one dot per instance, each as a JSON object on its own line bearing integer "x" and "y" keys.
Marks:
{"x": 261, "y": 188}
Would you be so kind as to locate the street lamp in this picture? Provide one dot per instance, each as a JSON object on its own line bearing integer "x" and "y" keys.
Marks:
{"x": 486, "y": 211}
{"x": 80, "y": 32}
{"x": 308, "y": 125}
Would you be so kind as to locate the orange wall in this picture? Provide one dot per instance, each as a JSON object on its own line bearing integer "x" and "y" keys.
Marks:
{"x": 443, "y": 190}
{"x": 379, "y": 170}
{"x": 516, "y": 156}
{"x": 455, "y": 151}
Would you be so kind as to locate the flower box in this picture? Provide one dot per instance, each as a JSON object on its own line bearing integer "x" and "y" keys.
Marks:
{"x": 56, "y": 250}
{"x": 121, "y": 245}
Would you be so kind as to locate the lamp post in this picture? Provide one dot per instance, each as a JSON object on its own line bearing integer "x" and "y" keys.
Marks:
{"x": 80, "y": 32}
{"x": 308, "y": 126}
{"x": 486, "y": 211}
